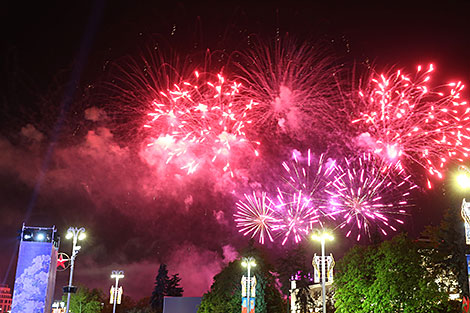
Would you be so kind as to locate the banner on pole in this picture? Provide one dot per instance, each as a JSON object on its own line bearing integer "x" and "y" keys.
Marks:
{"x": 465, "y": 212}
{"x": 252, "y": 305}
{"x": 244, "y": 305}
{"x": 112, "y": 293}
{"x": 316, "y": 262}
{"x": 243, "y": 282}
{"x": 246, "y": 296}
{"x": 329, "y": 265}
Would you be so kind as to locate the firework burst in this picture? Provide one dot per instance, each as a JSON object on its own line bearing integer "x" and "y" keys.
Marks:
{"x": 179, "y": 115}
{"x": 201, "y": 118}
{"x": 403, "y": 117}
{"x": 134, "y": 84}
{"x": 309, "y": 176}
{"x": 369, "y": 192}
{"x": 292, "y": 83}
{"x": 256, "y": 217}
{"x": 296, "y": 217}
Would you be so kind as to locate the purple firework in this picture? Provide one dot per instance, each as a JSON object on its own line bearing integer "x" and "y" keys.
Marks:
{"x": 256, "y": 216}
{"x": 309, "y": 176}
{"x": 297, "y": 217}
{"x": 368, "y": 192}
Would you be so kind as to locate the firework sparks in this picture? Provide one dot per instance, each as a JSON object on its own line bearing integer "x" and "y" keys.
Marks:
{"x": 201, "y": 118}
{"x": 369, "y": 192}
{"x": 403, "y": 117}
{"x": 297, "y": 217}
{"x": 309, "y": 176}
{"x": 293, "y": 85}
{"x": 256, "y": 216}
{"x": 301, "y": 201}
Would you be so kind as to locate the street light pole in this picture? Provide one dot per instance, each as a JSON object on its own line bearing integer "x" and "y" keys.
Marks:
{"x": 75, "y": 234}
{"x": 248, "y": 263}
{"x": 321, "y": 237}
{"x": 323, "y": 278}
{"x": 116, "y": 275}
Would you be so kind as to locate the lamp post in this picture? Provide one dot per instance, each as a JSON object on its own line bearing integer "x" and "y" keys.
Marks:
{"x": 75, "y": 234}
{"x": 116, "y": 275}
{"x": 248, "y": 263}
{"x": 322, "y": 236}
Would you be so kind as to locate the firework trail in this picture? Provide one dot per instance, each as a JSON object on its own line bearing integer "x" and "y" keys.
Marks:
{"x": 310, "y": 177}
{"x": 293, "y": 84}
{"x": 203, "y": 118}
{"x": 256, "y": 216}
{"x": 134, "y": 84}
{"x": 403, "y": 118}
{"x": 369, "y": 192}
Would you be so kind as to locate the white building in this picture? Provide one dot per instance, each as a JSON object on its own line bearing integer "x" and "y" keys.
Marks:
{"x": 308, "y": 289}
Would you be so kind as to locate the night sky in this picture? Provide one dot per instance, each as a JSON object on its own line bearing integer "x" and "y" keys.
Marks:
{"x": 137, "y": 216}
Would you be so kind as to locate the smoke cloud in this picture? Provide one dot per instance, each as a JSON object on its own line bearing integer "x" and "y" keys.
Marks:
{"x": 137, "y": 214}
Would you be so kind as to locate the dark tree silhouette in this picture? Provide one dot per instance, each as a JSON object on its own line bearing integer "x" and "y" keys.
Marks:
{"x": 164, "y": 286}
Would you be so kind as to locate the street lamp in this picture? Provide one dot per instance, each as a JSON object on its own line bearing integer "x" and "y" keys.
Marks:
{"x": 248, "y": 263}
{"x": 322, "y": 236}
{"x": 75, "y": 234}
{"x": 116, "y": 275}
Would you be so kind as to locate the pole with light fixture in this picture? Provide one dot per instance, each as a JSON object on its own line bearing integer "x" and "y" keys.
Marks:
{"x": 116, "y": 275}
{"x": 248, "y": 263}
{"x": 75, "y": 234}
{"x": 322, "y": 236}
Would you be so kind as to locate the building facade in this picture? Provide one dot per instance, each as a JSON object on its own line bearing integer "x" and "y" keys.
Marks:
{"x": 306, "y": 288}
{"x": 5, "y": 299}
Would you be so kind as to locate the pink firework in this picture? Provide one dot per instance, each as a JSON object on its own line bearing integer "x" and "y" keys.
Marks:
{"x": 369, "y": 192}
{"x": 201, "y": 119}
{"x": 296, "y": 217}
{"x": 309, "y": 176}
{"x": 256, "y": 217}
{"x": 293, "y": 84}
{"x": 404, "y": 118}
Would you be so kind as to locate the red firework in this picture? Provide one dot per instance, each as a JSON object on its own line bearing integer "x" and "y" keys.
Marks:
{"x": 199, "y": 120}
{"x": 403, "y": 117}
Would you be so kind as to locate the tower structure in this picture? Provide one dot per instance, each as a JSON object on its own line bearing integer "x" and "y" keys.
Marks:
{"x": 36, "y": 270}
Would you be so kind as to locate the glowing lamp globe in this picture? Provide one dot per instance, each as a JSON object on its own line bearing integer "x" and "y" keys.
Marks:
{"x": 463, "y": 180}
